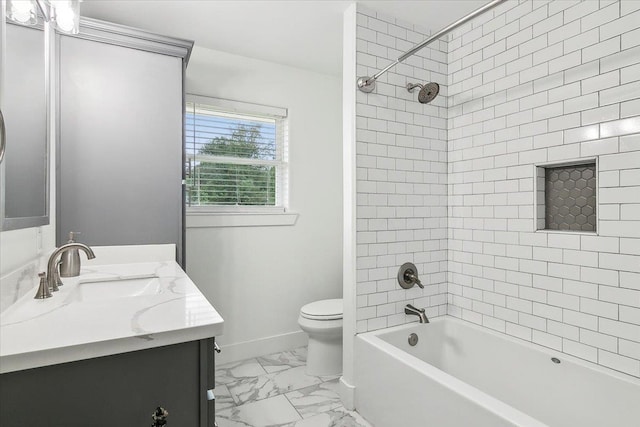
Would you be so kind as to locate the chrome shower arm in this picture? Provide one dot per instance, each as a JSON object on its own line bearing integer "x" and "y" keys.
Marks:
{"x": 367, "y": 84}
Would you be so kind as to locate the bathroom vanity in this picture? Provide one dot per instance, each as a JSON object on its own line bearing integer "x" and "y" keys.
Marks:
{"x": 131, "y": 333}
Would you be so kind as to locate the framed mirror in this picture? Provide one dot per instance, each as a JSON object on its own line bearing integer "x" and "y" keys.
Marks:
{"x": 24, "y": 195}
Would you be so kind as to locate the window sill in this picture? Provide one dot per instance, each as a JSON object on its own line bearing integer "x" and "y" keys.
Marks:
{"x": 210, "y": 219}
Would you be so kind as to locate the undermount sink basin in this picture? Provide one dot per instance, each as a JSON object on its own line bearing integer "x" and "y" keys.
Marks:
{"x": 110, "y": 288}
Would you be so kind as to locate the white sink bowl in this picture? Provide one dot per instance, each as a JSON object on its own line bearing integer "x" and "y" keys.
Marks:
{"x": 110, "y": 288}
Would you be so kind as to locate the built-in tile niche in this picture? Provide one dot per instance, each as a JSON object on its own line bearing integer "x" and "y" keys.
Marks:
{"x": 566, "y": 197}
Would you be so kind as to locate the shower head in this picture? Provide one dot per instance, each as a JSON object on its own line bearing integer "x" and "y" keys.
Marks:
{"x": 427, "y": 92}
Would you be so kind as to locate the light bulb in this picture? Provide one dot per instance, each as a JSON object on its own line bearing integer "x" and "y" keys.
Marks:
{"x": 23, "y": 11}
{"x": 67, "y": 15}
{"x": 65, "y": 19}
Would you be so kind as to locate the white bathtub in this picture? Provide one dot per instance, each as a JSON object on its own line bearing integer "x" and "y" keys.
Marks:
{"x": 462, "y": 375}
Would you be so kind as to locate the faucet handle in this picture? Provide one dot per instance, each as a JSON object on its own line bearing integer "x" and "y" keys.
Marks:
{"x": 43, "y": 288}
{"x": 414, "y": 278}
{"x": 55, "y": 281}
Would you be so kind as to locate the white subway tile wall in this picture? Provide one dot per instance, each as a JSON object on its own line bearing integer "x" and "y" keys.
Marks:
{"x": 401, "y": 172}
{"x": 567, "y": 87}
{"x": 450, "y": 185}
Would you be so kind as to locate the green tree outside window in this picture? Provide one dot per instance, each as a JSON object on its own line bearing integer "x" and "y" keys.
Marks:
{"x": 234, "y": 184}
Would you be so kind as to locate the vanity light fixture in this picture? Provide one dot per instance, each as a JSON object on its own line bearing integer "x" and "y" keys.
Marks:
{"x": 63, "y": 14}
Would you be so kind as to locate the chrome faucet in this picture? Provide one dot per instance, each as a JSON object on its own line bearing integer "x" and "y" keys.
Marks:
{"x": 409, "y": 309}
{"x": 53, "y": 279}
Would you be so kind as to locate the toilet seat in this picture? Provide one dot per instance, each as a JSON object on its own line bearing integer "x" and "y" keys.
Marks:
{"x": 328, "y": 309}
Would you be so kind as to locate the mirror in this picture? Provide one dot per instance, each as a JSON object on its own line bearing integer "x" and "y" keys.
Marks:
{"x": 25, "y": 183}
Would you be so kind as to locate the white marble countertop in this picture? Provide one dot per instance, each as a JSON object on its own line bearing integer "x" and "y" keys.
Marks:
{"x": 83, "y": 321}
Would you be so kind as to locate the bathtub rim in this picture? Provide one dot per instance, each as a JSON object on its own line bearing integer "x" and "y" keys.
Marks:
{"x": 527, "y": 344}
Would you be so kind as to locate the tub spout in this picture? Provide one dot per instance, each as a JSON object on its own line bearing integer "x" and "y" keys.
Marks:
{"x": 411, "y": 310}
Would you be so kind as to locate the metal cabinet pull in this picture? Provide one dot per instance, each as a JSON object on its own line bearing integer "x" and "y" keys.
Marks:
{"x": 216, "y": 347}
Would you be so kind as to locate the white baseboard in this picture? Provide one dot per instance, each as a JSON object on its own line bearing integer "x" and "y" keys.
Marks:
{"x": 260, "y": 347}
{"x": 347, "y": 394}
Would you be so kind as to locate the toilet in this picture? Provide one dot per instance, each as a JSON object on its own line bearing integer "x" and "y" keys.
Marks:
{"x": 322, "y": 321}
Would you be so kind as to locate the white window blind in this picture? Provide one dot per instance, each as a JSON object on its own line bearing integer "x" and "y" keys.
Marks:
{"x": 236, "y": 155}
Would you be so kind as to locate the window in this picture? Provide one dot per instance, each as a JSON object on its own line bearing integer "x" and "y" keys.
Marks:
{"x": 236, "y": 156}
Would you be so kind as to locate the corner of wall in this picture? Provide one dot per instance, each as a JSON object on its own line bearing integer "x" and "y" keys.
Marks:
{"x": 349, "y": 195}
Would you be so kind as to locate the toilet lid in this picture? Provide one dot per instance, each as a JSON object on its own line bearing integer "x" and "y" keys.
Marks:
{"x": 327, "y": 309}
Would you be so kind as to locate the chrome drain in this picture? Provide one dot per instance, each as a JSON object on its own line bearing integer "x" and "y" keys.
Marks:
{"x": 555, "y": 360}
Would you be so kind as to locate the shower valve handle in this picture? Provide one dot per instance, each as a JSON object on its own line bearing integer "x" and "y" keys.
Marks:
{"x": 408, "y": 276}
{"x": 411, "y": 277}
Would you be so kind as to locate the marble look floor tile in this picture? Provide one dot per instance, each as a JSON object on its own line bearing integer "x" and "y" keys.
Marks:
{"x": 272, "y": 412}
{"x": 235, "y": 371}
{"x": 269, "y": 385}
{"x": 330, "y": 377}
{"x": 223, "y": 398}
{"x": 338, "y": 417}
{"x": 284, "y": 360}
{"x": 315, "y": 399}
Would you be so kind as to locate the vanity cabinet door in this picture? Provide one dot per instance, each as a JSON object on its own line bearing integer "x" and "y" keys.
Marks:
{"x": 117, "y": 390}
{"x": 207, "y": 372}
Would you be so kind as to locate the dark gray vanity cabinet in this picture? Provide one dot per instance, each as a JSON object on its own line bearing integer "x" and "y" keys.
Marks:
{"x": 119, "y": 390}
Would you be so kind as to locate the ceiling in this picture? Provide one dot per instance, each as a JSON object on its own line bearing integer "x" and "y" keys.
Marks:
{"x": 299, "y": 33}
